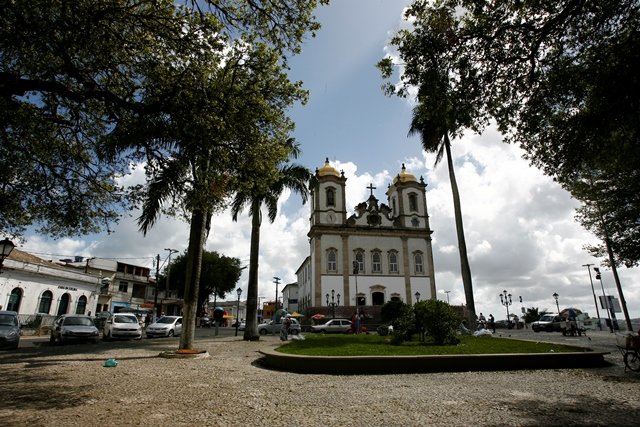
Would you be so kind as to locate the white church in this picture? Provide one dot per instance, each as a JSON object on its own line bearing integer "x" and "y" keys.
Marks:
{"x": 370, "y": 255}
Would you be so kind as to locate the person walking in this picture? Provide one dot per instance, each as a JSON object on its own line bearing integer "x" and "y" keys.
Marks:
{"x": 492, "y": 323}
{"x": 286, "y": 325}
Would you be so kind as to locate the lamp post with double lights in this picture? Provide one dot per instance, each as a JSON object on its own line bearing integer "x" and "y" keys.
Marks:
{"x": 417, "y": 295}
{"x": 333, "y": 304}
{"x": 605, "y": 300}
{"x": 356, "y": 269}
{"x": 447, "y": 292}
{"x": 505, "y": 299}
{"x": 6, "y": 246}
{"x": 239, "y": 291}
{"x": 595, "y": 301}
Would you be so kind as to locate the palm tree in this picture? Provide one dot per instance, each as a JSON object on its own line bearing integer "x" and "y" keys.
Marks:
{"x": 289, "y": 176}
{"x": 434, "y": 125}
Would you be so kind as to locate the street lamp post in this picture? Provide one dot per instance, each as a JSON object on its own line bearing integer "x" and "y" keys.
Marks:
{"x": 555, "y": 296}
{"x": 417, "y": 295}
{"x": 356, "y": 269}
{"x": 505, "y": 299}
{"x": 333, "y": 304}
{"x": 594, "y": 294}
{"x": 604, "y": 297}
{"x": 6, "y": 246}
{"x": 239, "y": 291}
{"x": 447, "y": 292}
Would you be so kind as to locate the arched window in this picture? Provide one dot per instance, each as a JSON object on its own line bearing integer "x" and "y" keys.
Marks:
{"x": 393, "y": 262}
{"x": 417, "y": 262}
{"x": 331, "y": 197}
{"x": 376, "y": 262}
{"x": 81, "y": 306}
{"x": 14, "y": 300}
{"x": 45, "y": 302}
{"x": 332, "y": 264}
{"x": 360, "y": 260}
{"x": 63, "y": 307}
{"x": 413, "y": 202}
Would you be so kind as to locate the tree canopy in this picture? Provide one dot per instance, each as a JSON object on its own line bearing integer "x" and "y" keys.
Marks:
{"x": 560, "y": 78}
{"x": 219, "y": 275}
{"x": 74, "y": 75}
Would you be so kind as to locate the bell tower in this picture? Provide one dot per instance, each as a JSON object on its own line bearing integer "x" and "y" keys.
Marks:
{"x": 328, "y": 204}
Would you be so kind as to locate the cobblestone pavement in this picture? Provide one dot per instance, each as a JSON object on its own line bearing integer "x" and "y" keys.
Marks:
{"x": 68, "y": 386}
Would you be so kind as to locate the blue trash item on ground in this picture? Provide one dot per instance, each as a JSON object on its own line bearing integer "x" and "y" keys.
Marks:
{"x": 110, "y": 363}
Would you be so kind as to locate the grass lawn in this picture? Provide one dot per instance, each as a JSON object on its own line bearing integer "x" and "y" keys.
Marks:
{"x": 376, "y": 345}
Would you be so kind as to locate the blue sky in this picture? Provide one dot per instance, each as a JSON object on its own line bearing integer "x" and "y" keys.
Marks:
{"x": 519, "y": 224}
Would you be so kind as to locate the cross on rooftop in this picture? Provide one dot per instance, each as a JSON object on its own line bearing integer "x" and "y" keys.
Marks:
{"x": 371, "y": 187}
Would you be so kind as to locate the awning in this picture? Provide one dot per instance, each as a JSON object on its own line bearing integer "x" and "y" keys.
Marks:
{"x": 296, "y": 314}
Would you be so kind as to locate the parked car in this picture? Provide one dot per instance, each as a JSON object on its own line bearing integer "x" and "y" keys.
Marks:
{"x": 74, "y": 327}
{"x": 122, "y": 325}
{"x": 548, "y": 323}
{"x": 206, "y": 322}
{"x": 166, "y": 326}
{"x": 336, "y": 326}
{"x": 274, "y": 328}
{"x": 10, "y": 329}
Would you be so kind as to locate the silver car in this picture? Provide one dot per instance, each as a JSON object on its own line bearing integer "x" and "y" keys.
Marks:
{"x": 122, "y": 325}
{"x": 9, "y": 329}
{"x": 336, "y": 326}
{"x": 74, "y": 327}
{"x": 274, "y": 328}
{"x": 166, "y": 326}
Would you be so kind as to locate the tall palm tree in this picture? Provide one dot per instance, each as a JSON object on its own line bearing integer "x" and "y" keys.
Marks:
{"x": 289, "y": 176}
{"x": 434, "y": 126}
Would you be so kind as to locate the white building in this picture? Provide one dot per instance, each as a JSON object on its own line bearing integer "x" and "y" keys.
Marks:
{"x": 30, "y": 285}
{"x": 390, "y": 244}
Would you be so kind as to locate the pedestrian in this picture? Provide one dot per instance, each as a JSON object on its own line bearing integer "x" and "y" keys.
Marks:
{"x": 147, "y": 319}
{"x": 482, "y": 322}
{"x": 284, "y": 330}
{"x": 492, "y": 323}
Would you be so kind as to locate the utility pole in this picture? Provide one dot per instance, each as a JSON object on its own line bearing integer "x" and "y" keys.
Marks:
{"x": 277, "y": 280}
{"x": 166, "y": 287}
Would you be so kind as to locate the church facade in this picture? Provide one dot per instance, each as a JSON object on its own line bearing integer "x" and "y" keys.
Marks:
{"x": 377, "y": 253}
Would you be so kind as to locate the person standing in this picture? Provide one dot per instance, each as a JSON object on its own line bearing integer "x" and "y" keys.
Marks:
{"x": 492, "y": 323}
{"x": 284, "y": 331}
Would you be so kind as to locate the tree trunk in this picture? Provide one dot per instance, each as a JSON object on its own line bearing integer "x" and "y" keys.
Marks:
{"x": 192, "y": 278}
{"x": 251, "y": 325}
{"x": 462, "y": 245}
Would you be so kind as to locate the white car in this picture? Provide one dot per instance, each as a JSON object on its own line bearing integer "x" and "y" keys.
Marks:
{"x": 340, "y": 326}
{"x": 166, "y": 326}
{"x": 122, "y": 325}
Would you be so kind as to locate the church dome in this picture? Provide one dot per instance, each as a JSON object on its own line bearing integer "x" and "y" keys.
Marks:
{"x": 404, "y": 176}
{"x": 327, "y": 169}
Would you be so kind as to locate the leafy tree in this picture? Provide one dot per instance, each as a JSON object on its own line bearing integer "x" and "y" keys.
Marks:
{"x": 219, "y": 275}
{"x": 438, "y": 320}
{"x": 391, "y": 310}
{"x": 70, "y": 72}
{"x": 444, "y": 109}
{"x": 532, "y": 314}
{"x": 266, "y": 190}
{"x": 561, "y": 79}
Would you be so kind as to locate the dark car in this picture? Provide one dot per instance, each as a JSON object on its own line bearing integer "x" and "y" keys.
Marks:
{"x": 10, "y": 329}
{"x": 74, "y": 327}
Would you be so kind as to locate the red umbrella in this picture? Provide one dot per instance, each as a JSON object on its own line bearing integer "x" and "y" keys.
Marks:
{"x": 317, "y": 316}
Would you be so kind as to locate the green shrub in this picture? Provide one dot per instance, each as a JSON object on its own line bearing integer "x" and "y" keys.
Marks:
{"x": 438, "y": 320}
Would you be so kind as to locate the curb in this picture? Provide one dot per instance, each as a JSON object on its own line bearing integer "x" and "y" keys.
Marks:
{"x": 437, "y": 363}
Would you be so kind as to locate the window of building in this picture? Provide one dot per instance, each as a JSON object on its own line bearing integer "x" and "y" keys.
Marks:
{"x": 123, "y": 287}
{"x": 331, "y": 197}
{"x": 376, "y": 262}
{"x": 413, "y": 202}
{"x": 417, "y": 260}
{"x": 360, "y": 260}
{"x": 45, "y": 302}
{"x": 332, "y": 264}
{"x": 393, "y": 262}
{"x": 82, "y": 305}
